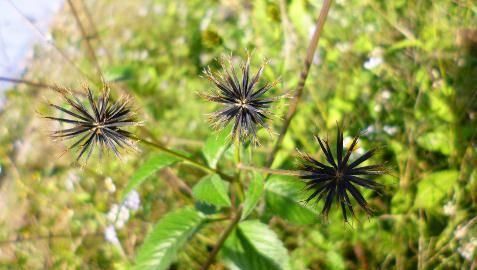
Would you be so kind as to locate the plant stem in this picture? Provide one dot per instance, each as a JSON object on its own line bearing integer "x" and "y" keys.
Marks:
{"x": 181, "y": 185}
{"x": 89, "y": 47}
{"x": 95, "y": 30}
{"x": 240, "y": 166}
{"x": 177, "y": 183}
{"x": 233, "y": 223}
{"x": 238, "y": 148}
{"x": 303, "y": 76}
{"x": 238, "y": 160}
{"x": 31, "y": 83}
{"x": 39, "y": 85}
{"x": 186, "y": 159}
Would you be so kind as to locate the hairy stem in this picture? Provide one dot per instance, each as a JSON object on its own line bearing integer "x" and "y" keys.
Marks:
{"x": 225, "y": 234}
{"x": 238, "y": 148}
{"x": 240, "y": 166}
{"x": 303, "y": 76}
{"x": 238, "y": 160}
{"x": 186, "y": 159}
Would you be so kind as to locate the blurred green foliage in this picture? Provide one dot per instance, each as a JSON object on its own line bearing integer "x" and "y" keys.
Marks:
{"x": 403, "y": 71}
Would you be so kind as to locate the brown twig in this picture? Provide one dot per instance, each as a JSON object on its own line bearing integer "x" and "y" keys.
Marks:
{"x": 233, "y": 223}
{"x": 89, "y": 47}
{"x": 31, "y": 83}
{"x": 40, "y": 85}
{"x": 361, "y": 255}
{"x": 303, "y": 76}
{"x": 92, "y": 24}
{"x": 177, "y": 183}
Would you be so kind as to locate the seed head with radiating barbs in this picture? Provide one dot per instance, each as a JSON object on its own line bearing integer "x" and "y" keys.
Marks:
{"x": 242, "y": 100}
{"x": 94, "y": 123}
{"x": 339, "y": 178}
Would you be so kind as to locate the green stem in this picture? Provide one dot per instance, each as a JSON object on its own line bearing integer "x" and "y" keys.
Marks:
{"x": 238, "y": 149}
{"x": 186, "y": 159}
{"x": 240, "y": 166}
{"x": 238, "y": 160}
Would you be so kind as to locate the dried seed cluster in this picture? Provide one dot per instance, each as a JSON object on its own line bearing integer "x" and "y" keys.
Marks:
{"x": 340, "y": 177}
{"x": 101, "y": 122}
{"x": 242, "y": 100}
{"x": 95, "y": 123}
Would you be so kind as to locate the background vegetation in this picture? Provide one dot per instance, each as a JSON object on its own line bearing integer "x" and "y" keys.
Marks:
{"x": 403, "y": 71}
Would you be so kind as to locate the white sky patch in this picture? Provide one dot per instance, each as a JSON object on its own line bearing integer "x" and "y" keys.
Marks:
{"x": 17, "y": 36}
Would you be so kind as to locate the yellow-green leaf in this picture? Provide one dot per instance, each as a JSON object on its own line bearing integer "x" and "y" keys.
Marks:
{"x": 212, "y": 190}
{"x": 434, "y": 187}
{"x": 253, "y": 195}
{"x": 151, "y": 166}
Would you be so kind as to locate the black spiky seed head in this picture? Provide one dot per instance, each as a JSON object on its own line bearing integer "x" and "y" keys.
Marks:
{"x": 339, "y": 178}
{"x": 95, "y": 123}
{"x": 241, "y": 98}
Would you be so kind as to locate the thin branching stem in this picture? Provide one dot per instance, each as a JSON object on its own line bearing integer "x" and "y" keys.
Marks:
{"x": 241, "y": 166}
{"x": 38, "y": 84}
{"x": 50, "y": 42}
{"x": 177, "y": 183}
{"x": 238, "y": 148}
{"x": 96, "y": 34}
{"x": 225, "y": 234}
{"x": 181, "y": 184}
{"x": 30, "y": 83}
{"x": 238, "y": 160}
{"x": 186, "y": 159}
{"x": 303, "y": 76}
{"x": 84, "y": 34}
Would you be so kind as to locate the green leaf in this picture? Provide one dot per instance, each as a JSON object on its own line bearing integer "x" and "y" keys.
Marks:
{"x": 401, "y": 202}
{"x": 437, "y": 140}
{"x": 440, "y": 107}
{"x": 212, "y": 190}
{"x": 254, "y": 192}
{"x": 434, "y": 187}
{"x": 118, "y": 73}
{"x": 404, "y": 44}
{"x": 334, "y": 260}
{"x": 280, "y": 158}
{"x": 151, "y": 166}
{"x": 254, "y": 246}
{"x": 283, "y": 196}
{"x": 215, "y": 146}
{"x": 169, "y": 235}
